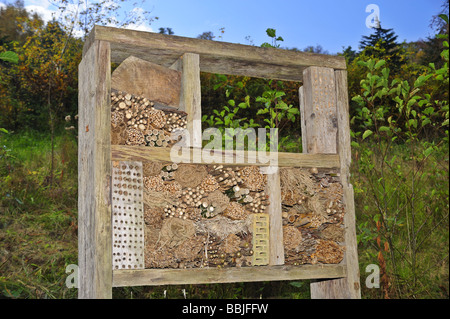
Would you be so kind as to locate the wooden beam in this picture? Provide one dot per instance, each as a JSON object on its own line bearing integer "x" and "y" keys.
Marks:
{"x": 344, "y": 151}
{"x": 215, "y": 56}
{"x": 94, "y": 173}
{"x": 234, "y": 158}
{"x": 190, "y": 95}
{"x": 156, "y": 277}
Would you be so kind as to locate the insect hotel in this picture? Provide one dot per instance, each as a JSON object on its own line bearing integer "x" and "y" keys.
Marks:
{"x": 145, "y": 219}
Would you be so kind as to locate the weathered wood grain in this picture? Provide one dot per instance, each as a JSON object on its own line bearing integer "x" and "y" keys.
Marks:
{"x": 156, "y": 83}
{"x": 238, "y": 158}
{"x": 344, "y": 151}
{"x": 319, "y": 104}
{"x": 94, "y": 173}
{"x": 153, "y": 277}
{"x": 276, "y": 247}
{"x": 190, "y": 95}
{"x": 215, "y": 56}
{"x": 319, "y": 110}
{"x": 325, "y": 109}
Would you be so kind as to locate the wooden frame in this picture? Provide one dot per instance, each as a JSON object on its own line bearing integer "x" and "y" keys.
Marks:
{"x": 325, "y": 131}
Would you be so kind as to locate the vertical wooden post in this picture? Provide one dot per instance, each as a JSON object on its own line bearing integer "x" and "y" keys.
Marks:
{"x": 190, "y": 94}
{"x": 324, "y": 108}
{"x": 276, "y": 248}
{"x": 94, "y": 173}
{"x": 344, "y": 151}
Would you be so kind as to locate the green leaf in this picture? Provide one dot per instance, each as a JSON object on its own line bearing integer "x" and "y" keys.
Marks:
{"x": 271, "y": 32}
{"x": 444, "y": 17}
{"x": 262, "y": 111}
{"x": 380, "y": 64}
{"x": 231, "y": 102}
{"x": 297, "y": 284}
{"x": 366, "y": 134}
{"x": 426, "y": 121}
{"x": 428, "y": 151}
{"x": 279, "y": 94}
{"x": 384, "y": 129}
{"x": 9, "y": 56}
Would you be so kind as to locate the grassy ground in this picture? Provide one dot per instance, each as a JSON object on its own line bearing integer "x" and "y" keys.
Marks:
{"x": 38, "y": 234}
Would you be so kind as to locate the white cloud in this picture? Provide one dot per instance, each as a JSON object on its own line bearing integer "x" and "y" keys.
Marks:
{"x": 2, "y": 5}
{"x": 44, "y": 13}
{"x": 139, "y": 27}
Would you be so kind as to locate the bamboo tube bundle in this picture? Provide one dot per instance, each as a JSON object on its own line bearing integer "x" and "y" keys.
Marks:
{"x": 236, "y": 211}
{"x": 156, "y": 138}
{"x": 175, "y": 121}
{"x": 209, "y": 184}
{"x": 259, "y": 203}
{"x": 134, "y": 137}
{"x": 227, "y": 177}
{"x": 175, "y": 211}
{"x": 117, "y": 118}
{"x": 192, "y": 197}
{"x": 139, "y": 113}
{"x": 252, "y": 178}
{"x": 168, "y": 172}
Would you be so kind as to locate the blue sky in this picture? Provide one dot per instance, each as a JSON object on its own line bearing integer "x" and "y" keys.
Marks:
{"x": 331, "y": 24}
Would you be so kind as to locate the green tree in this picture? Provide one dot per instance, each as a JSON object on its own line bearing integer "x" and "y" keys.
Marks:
{"x": 168, "y": 31}
{"x": 10, "y": 16}
{"x": 382, "y": 44}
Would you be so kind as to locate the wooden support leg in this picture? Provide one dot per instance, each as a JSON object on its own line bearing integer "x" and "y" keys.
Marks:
{"x": 94, "y": 174}
{"x": 324, "y": 110}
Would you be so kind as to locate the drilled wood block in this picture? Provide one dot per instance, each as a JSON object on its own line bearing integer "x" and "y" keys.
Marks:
{"x": 128, "y": 216}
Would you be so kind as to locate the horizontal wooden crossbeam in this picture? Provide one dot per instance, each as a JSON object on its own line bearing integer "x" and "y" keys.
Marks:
{"x": 215, "y": 56}
{"x": 232, "y": 158}
{"x": 154, "y": 277}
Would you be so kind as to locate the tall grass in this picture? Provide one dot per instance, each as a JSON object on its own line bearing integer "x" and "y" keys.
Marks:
{"x": 37, "y": 219}
{"x": 38, "y": 228}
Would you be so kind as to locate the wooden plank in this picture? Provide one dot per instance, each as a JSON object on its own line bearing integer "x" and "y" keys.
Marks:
{"x": 190, "y": 95}
{"x": 344, "y": 151}
{"x": 139, "y": 77}
{"x": 330, "y": 289}
{"x": 319, "y": 110}
{"x": 276, "y": 251}
{"x": 234, "y": 158}
{"x": 156, "y": 277}
{"x": 94, "y": 173}
{"x": 215, "y": 56}
{"x": 301, "y": 96}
